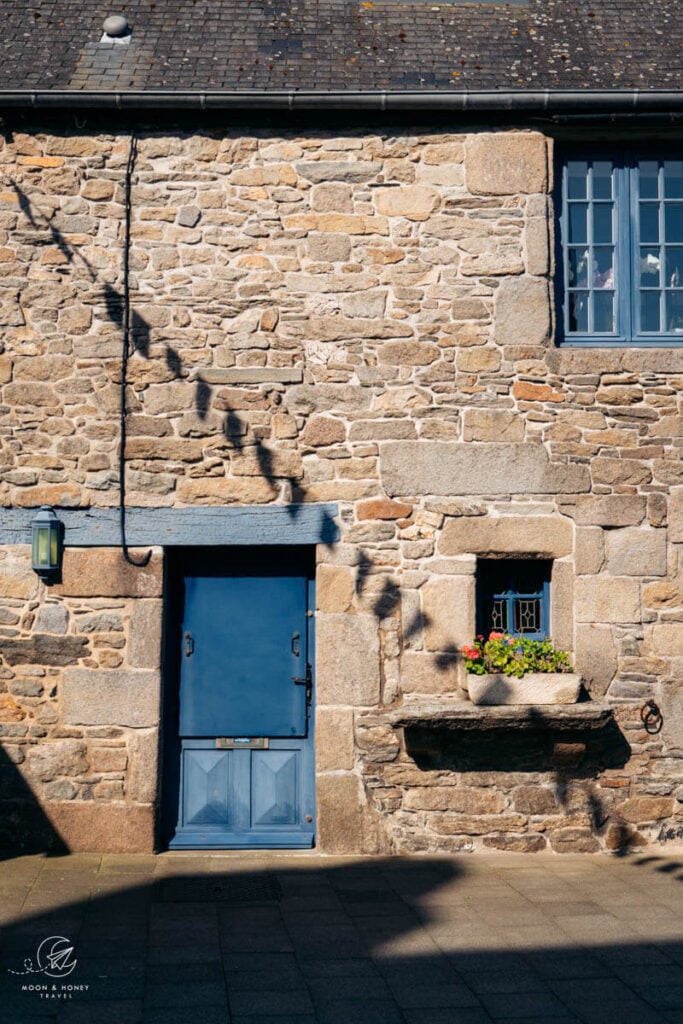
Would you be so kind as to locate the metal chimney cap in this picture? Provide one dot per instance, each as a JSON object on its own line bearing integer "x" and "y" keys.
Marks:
{"x": 115, "y": 26}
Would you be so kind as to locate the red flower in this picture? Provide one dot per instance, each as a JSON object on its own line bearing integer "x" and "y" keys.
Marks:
{"x": 496, "y": 636}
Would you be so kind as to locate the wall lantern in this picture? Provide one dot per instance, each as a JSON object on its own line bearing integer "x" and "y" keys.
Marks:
{"x": 46, "y": 544}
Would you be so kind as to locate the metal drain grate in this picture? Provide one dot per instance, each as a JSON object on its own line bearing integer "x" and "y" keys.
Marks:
{"x": 221, "y": 889}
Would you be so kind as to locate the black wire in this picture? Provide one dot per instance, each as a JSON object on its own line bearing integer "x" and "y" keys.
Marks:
{"x": 126, "y": 349}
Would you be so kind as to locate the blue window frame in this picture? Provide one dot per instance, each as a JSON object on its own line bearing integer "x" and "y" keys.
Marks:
{"x": 621, "y": 250}
{"x": 513, "y": 597}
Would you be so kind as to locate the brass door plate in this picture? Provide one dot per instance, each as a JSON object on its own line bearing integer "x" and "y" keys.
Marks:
{"x": 242, "y": 742}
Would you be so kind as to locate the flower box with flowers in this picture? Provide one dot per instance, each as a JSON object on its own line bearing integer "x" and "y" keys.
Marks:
{"x": 516, "y": 670}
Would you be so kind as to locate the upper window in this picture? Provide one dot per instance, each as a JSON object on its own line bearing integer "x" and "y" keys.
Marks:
{"x": 513, "y": 597}
{"x": 621, "y": 241}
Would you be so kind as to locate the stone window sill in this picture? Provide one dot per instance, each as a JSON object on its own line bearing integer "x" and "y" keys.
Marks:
{"x": 451, "y": 714}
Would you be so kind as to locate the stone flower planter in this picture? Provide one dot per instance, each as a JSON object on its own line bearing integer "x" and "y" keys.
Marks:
{"x": 533, "y": 688}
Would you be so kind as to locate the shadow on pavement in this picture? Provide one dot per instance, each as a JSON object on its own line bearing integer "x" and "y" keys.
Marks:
{"x": 278, "y": 939}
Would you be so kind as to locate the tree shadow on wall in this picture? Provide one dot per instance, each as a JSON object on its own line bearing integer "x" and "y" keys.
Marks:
{"x": 565, "y": 758}
{"x": 378, "y": 941}
{"x": 236, "y": 431}
{"x": 49, "y": 233}
{"x": 24, "y": 826}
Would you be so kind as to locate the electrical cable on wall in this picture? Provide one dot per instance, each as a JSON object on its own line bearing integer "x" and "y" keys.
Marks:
{"x": 126, "y": 350}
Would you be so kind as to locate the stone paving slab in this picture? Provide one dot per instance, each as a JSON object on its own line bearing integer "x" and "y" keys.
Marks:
{"x": 238, "y": 938}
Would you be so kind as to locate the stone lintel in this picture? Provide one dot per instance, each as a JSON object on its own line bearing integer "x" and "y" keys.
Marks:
{"x": 489, "y": 536}
{"x": 459, "y": 468}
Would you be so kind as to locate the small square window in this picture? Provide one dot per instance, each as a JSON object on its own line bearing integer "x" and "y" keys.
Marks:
{"x": 620, "y": 243}
{"x": 513, "y": 597}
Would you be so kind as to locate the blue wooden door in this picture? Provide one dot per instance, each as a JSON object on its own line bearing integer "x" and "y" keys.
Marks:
{"x": 245, "y": 715}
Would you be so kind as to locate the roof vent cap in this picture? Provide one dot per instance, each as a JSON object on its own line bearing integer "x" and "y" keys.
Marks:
{"x": 116, "y": 26}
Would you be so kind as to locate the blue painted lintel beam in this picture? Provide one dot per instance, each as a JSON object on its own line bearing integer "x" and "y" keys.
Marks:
{"x": 206, "y": 526}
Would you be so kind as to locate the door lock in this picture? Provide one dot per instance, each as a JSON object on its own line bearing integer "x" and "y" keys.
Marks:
{"x": 306, "y": 681}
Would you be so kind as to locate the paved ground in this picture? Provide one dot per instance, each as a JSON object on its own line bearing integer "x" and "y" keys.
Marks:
{"x": 281, "y": 938}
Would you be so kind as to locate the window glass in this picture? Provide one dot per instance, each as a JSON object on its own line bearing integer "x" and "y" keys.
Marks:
{"x": 649, "y": 175}
{"x": 513, "y": 597}
{"x": 602, "y": 222}
{"x": 649, "y": 310}
{"x": 602, "y": 179}
{"x": 622, "y": 242}
{"x": 577, "y": 177}
{"x": 674, "y": 312}
{"x": 673, "y": 179}
{"x": 649, "y": 222}
{"x": 603, "y": 320}
{"x": 578, "y": 312}
{"x": 650, "y": 267}
{"x": 673, "y": 222}
{"x": 578, "y": 222}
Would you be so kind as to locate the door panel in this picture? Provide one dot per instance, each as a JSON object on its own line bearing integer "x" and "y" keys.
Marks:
{"x": 274, "y": 787}
{"x": 240, "y": 638}
{"x": 207, "y": 784}
{"x": 245, "y": 646}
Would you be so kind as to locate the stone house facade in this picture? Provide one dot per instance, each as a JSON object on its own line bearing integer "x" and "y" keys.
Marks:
{"x": 344, "y": 343}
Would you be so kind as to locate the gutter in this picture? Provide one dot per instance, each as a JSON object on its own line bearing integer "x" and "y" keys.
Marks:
{"x": 549, "y": 102}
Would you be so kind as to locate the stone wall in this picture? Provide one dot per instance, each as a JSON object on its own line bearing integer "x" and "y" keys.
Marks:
{"x": 79, "y": 702}
{"x": 364, "y": 318}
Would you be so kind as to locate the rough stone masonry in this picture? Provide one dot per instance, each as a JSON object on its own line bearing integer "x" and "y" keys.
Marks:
{"x": 365, "y": 318}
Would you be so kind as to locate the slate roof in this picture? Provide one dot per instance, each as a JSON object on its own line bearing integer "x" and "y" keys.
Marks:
{"x": 343, "y": 45}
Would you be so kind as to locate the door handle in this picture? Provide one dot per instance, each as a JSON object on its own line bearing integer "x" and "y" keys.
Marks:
{"x": 189, "y": 644}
